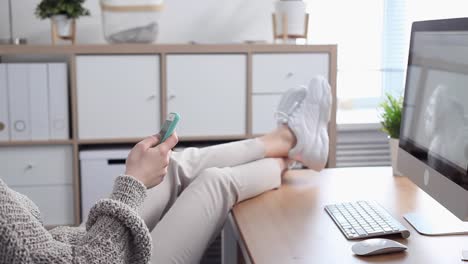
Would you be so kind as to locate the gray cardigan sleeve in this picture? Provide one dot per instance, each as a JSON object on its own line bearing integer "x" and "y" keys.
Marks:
{"x": 114, "y": 232}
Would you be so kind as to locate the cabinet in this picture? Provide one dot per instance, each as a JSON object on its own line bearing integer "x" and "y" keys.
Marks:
{"x": 120, "y": 93}
{"x": 209, "y": 92}
{"x": 45, "y": 175}
{"x": 272, "y": 74}
{"x": 118, "y": 96}
{"x": 275, "y": 73}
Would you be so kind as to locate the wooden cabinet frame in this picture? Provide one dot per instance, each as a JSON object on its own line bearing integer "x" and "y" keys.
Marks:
{"x": 70, "y": 52}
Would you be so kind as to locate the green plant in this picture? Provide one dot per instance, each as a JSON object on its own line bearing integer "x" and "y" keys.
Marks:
{"x": 391, "y": 115}
{"x": 70, "y": 8}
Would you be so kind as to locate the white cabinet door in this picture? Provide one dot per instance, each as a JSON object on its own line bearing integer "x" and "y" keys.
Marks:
{"x": 275, "y": 73}
{"x": 45, "y": 175}
{"x": 55, "y": 202}
{"x": 272, "y": 74}
{"x": 38, "y": 165}
{"x": 263, "y": 112}
{"x": 118, "y": 96}
{"x": 209, "y": 92}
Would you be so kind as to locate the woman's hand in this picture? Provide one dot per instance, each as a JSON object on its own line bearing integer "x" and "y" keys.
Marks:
{"x": 148, "y": 162}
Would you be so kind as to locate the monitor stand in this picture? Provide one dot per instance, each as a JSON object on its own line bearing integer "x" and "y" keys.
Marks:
{"x": 465, "y": 255}
{"x": 437, "y": 224}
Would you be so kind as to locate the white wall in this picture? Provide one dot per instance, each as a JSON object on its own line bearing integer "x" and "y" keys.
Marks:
{"x": 181, "y": 21}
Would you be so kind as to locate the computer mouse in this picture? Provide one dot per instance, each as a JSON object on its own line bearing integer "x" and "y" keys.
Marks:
{"x": 375, "y": 246}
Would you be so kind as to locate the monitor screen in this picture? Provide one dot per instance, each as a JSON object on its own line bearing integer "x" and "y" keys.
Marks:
{"x": 435, "y": 119}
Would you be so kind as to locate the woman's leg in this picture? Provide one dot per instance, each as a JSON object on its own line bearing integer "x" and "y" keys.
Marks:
{"x": 303, "y": 114}
{"x": 200, "y": 211}
{"x": 274, "y": 144}
{"x": 187, "y": 164}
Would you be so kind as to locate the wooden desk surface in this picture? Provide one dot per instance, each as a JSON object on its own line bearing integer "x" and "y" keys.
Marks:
{"x": 289, "y": 225}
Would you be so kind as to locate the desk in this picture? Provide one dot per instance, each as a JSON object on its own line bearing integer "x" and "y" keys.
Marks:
{"x": 289, "y": 225}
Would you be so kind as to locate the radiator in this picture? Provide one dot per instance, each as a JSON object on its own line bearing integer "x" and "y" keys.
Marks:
{"x": 362, "y": 145}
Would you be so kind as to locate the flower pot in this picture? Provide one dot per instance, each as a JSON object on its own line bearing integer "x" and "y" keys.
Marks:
{"x": 63, "y": 24}
{"x": 393, "y": 142}
{"x": 293, "y": 12}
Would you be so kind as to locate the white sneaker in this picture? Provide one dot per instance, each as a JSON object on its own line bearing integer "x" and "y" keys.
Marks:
{"x": 308, "y": 119}
{"x": 289, "y": 103}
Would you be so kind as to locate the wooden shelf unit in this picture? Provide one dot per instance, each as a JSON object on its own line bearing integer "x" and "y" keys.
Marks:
{"x": 35, "y": 143}
{"x": 69, "y": 53}
{"x": 161, "y": 49}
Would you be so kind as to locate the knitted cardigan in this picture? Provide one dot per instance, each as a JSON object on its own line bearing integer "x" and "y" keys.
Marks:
{"x": 114, "y": 232}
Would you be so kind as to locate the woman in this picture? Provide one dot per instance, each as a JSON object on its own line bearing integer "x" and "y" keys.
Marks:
{"x": 189, "y": 196}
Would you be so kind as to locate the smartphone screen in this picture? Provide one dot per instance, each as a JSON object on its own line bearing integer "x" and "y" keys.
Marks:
{"x": 169, "y": 126}
{"x": 164, "y": 129}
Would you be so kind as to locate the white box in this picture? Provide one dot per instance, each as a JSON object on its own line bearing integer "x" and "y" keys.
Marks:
{"x": 4, "y": 113}
{"x": 39, "y": 101}
{"x": 58, "y": 101}
{"x": 123, "y": 24}
{"x": 18, "y": 95}
{"x": 99, "y": 168}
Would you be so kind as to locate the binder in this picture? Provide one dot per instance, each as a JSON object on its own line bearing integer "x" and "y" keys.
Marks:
{"x": 18, "y": 96}
{"x": 58, "y": 101}
{"x": 38, "y": 99}
{"x": 4, "y": 120}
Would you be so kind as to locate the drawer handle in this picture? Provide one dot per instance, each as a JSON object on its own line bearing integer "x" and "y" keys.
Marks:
{"x": 115, "y": 161}
{"x": 29, "y": 167}
{"x": 289, "y": 75}
{"x": 151, "y": 97}
{"x": 172, "y": 97}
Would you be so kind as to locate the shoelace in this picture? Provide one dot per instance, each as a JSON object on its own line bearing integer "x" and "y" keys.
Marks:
{"x": 284, "y": 116}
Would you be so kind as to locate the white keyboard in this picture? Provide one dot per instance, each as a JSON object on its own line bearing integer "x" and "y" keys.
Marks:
{"x": 362, "y": 219}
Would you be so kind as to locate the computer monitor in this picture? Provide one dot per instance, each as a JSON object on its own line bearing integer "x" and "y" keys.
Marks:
{"x": 433, "y": 148}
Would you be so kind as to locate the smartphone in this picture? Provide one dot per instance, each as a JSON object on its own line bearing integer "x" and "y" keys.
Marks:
{"x": 169, "y": 126}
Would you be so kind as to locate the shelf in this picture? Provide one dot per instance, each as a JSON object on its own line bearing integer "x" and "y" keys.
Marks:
{"x": 160, "y": 48}
{"x": 112, "y": 141}
{"x": 213, "y": 138}
{"x": 136, "y": 140}
{"x": 35, "y": 143}
{"x": 109, "y": 141}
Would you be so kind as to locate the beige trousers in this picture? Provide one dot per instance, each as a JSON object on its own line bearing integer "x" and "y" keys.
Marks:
{"x": 188, "y": 209}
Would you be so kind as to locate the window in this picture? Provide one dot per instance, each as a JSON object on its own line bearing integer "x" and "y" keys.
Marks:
{"x": 373, "y": 43}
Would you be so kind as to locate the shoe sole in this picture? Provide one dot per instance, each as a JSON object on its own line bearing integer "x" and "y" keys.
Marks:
{"x": 323, "y": 99}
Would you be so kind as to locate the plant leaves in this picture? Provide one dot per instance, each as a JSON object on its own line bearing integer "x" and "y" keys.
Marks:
{"x": 70, "y": 8}
{"x": 391, "y": 115}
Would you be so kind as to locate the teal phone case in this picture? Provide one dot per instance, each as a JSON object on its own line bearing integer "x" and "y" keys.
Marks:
{"x": 169, "y": 126}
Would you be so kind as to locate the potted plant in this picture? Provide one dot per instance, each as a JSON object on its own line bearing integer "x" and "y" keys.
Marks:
{"x": 391, "y": 119}
{"x": 62, "y": 14}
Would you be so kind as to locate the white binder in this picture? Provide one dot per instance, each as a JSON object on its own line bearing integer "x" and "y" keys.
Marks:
{"x": 58, "y": 101}
{"x": 18, "y": 96}
{"x": 4, "y": 120}
{"x": 39, "y": 101}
